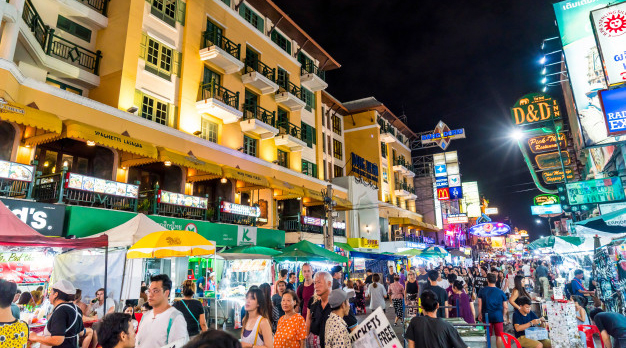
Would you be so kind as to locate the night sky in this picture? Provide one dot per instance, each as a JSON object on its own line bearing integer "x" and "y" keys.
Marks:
{"x": 463, "y": 62}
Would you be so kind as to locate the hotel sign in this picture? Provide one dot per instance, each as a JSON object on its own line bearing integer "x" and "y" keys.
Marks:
{"x": 534, "y": 109}
{"x": 363, "y": 168}
{"x": 546, "y": 143}
{"x": 614, "y": 109}
{"x": 443, "y": 135}
{"x": 556, "y": 176}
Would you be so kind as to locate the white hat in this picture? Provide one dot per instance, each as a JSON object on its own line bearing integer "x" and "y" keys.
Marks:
{"x": 64, "y": 286}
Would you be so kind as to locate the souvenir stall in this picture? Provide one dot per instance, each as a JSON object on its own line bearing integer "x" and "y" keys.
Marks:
{"x": 610, "y": 270}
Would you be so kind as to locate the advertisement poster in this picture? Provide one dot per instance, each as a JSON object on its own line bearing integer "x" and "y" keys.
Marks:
{"x": 25, "y": 268}
{"x": 595, "y": 191}
{"x": 384, "y": 335}
{"x": 609, "y": 25}
{"x": 584, "y": 66}
{"x": 614, "y": 107}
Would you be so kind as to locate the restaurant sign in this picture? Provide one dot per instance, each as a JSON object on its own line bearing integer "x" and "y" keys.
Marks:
{"x": 546, "y": 143}
{"x": 443, "y": 194}
{"x": 167, "y": 197}
{"x": 595, "y": 191}
{"x": 26, "y": 268}
{"x": 97, "y": 185}
{"x": 552, "y": 160}
{"x": 556, "y": 176}
{"x": 546, "y": 199}
{"x": 16, "y": 171}
{"x": 239, "y": 209}
{"x": 534, "y": 109}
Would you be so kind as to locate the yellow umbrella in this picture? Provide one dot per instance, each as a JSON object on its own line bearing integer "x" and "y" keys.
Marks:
{"x": 171, "y": 244}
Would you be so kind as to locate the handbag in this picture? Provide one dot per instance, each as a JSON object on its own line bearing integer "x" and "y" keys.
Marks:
{"x": 194, "y": 318}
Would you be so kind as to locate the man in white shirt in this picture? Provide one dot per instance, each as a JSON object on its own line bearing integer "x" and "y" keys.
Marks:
{"x": 526, "y": 269}
{"x": 163, "y": 324}
{"x": 99, "y": 307}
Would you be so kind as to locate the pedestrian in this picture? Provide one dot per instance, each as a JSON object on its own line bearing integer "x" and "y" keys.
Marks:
{"x": 396, "y": 292}
{"x": 518, "y": 291}
{"x": 291, "y": 330}
{"x": 440, "y": 292}
{"x": 480, "y": 280}
{"x": 500, "y": 280}
{"x": 390, "y": 277}
{"x": 349, "y": 288}
{"x": 257, "y": 329}
{"x": 336, "y": 273}
{"x": 200, "y": 286}
{"x": 211, "y": 283}
{"x": 581, "y": 316}
{"x": 13, "y": 331}
{"x": 277, "y": 309}
{"x": 524, "y": 319}
{"x": 143, "y": 296}
{"x": 98, "y": 308}
{"x": 526, "y": 269}
{"x": 464, "y": 303}
{"x": 422, "y": 280}
{"x": 65, "y": 324}
{"x": 577, "y": 284}
{"x": 192, "y": 309}
{"x": 163, "y": 324}
{"x": 281, "y": 276}
{"x": 412, "y": 287}
{"x": 26, "y": 299}
{"x": 429, "y": 330}
{"x": 492, "y": 301}
{"x": 359, "y": 292}
{"x": 610, "y": 324}
{"x": 377, "y": 293}
{"x": 78, "y": 301}
{"x": 541, "y": 274}
{"x": 116, "y": 331}
{"x": 130, "y": 310}
{"x": 336, "y": 330}
{"x": 442, "y": 281}
{"x": 306, "y": 289}
{"x": 214, "y": 339}
{"x": 368, "y": 277}
{"x": 319, "y": 310}
{"x": 267, "y": 293}
{"x": 402, "y": 276}
{"x": 291, "y": 284}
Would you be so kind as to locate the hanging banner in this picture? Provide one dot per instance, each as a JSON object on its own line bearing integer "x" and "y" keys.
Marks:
{"x": 378, "y": 323}
{"x": 556, "y": 176}
{"x": 551, "y": 160}
{"x": 546, "y": 143}
{"x": 534, "y": 109}
{"x": 609, "y": 27}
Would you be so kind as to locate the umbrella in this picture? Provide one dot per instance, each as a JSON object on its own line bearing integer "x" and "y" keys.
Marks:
{"x": 435, "y": 251}
{"x": 249, "y": 252}
{"x": 410, "y": 253}
{"x": 551, "y": 241}
{"x": 310, "y": 248}
{"x": 171, "y": 244}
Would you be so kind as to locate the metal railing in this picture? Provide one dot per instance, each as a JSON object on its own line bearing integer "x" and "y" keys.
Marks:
{"x": 35, "y": 23}
{"x": 404, "y": 186}
{"x": 214, "y": 90}
{"x": 254, "y": 64}
{"x": 47, "y": 188}
{"x": 310, "y": 68}
{"x": 150, "y": 205}
{"x": 289, "y": 87}
{"x": 100, "y": 6}
{"x": 293, "y": 224}
{"x": 252, "y": 111}
{"x": 212, "y": 37}
{"x": 15, "y": 188}
{"x": 286, "y": 127}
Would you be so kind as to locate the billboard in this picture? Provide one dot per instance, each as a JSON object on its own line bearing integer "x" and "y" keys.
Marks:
{"x": 546, "y": 199}
{"x": 556, "y": 176}
{"x": 491, "y": 211}
{"x": 471, "y": 199}
{"x": 609, "y": 25}
{"x": 490, "y": 229}
{"x": 584, "y": 66}
{"x": 460, "y": 218}
{"x": 545, "y": 143}
{"x": 614, "y": 107}
{"x": 443, "y": 135}
{"x": 595, "y": 191}
{"x": 535, "y": 109}
{"x": 546, "y": 209}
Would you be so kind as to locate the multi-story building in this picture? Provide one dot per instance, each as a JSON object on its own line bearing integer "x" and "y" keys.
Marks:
{"x": 377, "y": 142}
{"x": 209, "y": 107}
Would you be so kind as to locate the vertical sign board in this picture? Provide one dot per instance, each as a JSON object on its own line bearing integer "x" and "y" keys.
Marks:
{"x": 584, "y": 66}
{"x": 609, "y": 27}
{"x": 378, "y": 323}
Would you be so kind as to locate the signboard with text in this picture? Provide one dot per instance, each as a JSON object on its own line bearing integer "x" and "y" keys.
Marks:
{"x": 552, "y": 160}
{"x": 546, "y": 199}
{"x": 442, "y": 182}
{"x": 535, "y": 109}
{"x": 460, "y": 218}
{"x": 44, "y": 218}
{"x": 595, "y": 191}
{"x": 546, "y": 143}
{"x": 614, "y": 107}
{"x": 556, "y": 176}
{"x": 443, "y": 135}
{"x": 546, "y": 209}
{"x": 384, "y": 335}
{"x": 491, "y": 211}
{"x": 25, "y": 268}
{"x": 97, "y": 185}
{"x": 443, "y": 194}
{"x": 609, "y": 24}
{"x": 364, "y": 168}
{"x": 240, "y": 209}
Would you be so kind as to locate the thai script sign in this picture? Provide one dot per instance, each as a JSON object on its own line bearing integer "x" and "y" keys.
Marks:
{"x": 595, "y": 191}
{"x": 535, "y": 108}
{"x": 546, "y": 143}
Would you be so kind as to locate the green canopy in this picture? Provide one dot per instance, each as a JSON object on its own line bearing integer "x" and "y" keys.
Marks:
{"x": 434, "y": 251}
{"x": 250, "y": 251}
{"x": 299, "y": 255}
{"x": 550, "y": 241}
{"x": 307, "y": 247}
{"x": 344, "y": 246}
{"x": 410, "y": 253}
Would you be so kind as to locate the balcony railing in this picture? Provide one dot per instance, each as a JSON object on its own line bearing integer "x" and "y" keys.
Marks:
{"x": 150, "y": 203}
{"x": 404, "y": 186}
{"x": 216, "y": 91}
{"x": 99, "y": 5}
{"x": 289, "y": 87}
{"x": 260, "y": 67}
{"x": 286, "y": 127}
{"x": 212, "y": 37}
{"x": 57, "y": 46}
{"x": 293, "y": 224}
{"x": 310, "y": 68}
{"x": 251, "y": 111}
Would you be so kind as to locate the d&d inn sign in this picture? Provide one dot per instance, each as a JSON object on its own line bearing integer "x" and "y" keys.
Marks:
{"x": 535, "y": 108}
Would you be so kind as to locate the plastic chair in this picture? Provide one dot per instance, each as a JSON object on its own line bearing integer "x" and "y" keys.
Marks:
{"x": 589, "y": 330}
{"x": 508, "y": 340}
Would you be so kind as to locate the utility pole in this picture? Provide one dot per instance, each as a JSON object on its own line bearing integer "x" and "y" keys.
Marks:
{"x": 329, "y": 205}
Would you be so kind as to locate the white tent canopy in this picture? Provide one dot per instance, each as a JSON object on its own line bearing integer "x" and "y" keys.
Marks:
{"x": 130, "y": 232}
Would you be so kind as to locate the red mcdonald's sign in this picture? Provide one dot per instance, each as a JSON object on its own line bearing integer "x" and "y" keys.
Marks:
{"x": 443, "y": 194}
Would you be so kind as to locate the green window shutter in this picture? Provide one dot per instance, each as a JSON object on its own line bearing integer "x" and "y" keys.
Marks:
{"x": 178, "y": 58}
{"x": 242, "y": 10}
{"x": 180, "y": 11}
{"x": 288, "y": 46}
{"x": 143, "y": 45}
{"x": 260, "y": 24}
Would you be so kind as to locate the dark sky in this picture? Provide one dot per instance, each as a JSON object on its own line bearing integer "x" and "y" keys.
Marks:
{"x": 463, "y": 62}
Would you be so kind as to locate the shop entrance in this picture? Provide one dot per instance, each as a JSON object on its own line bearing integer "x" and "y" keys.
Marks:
{"x": 77, "y": 156}
{"x": 7, "y": 139}
{"x": 169, "y": 178}
{"x": 214, "y": 189}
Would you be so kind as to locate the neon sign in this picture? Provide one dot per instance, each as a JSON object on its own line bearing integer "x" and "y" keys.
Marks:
{"x": 442, "y": 135}
{"x": 490, "y": 229}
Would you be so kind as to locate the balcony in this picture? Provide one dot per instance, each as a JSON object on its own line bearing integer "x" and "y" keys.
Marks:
{"x": 402, "y": 166}
{"x": 260, "y": 76}
{"x": 93, "y": 12}
{"x": 290, "y": 96}
{"x": 309, "y": 225}
{"x": 312, "y": 77}
{"x": 290, "y": 136}
{"x": 258, "y": 121}
{"x": 221, "y": 51}
{"x": 387, "y": 132}
{"x": 218, "y": 101}
{"x": 404, "y": 190}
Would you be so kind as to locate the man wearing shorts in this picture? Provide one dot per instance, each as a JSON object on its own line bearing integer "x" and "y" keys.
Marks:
{"x": 492, "y": 301}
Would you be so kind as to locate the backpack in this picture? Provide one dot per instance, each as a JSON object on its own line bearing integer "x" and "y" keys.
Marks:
{"x": 568, "y": 290}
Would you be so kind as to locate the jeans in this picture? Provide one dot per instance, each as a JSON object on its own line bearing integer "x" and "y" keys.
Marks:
{"x": 545, "y": 286}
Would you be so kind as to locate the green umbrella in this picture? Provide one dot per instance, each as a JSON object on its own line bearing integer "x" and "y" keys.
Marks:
{"x": 344, "y": 246}
{"x": 299, "y": 255}
{"x": 434, "y": 251}
{"x": 314, "y": 249}
{"x": 250, "y": 251}
{"x": 549, "y": 242}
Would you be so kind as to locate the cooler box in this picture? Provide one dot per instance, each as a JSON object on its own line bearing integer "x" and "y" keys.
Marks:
{"x": 536, "y": 333}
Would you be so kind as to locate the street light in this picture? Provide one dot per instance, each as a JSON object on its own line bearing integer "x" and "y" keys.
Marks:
{"x": 517, "y": 134}
{"x": 538, "y": 221}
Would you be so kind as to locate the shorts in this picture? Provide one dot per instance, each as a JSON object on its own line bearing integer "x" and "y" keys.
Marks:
{"x": 528, "y": 343}
{"x": 496, "y": 329}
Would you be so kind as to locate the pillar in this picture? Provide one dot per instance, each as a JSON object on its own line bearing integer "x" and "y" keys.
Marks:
{"x": 11, "y": 30}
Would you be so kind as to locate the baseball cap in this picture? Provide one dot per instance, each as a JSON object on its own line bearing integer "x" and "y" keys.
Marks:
{"x": 336, "y": 269}
{"x": 337, "y": 297}
{"x": 64, "y": 286}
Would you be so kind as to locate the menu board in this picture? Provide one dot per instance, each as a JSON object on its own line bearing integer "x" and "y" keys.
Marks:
{"x": 240, "y": 209}
{"x": 91, "y": 184}
{"x": 16, "y": 171}
{"x": 182, "y": 200}
{"x": 307, "y": 220}
{"x": 25, "y": 268}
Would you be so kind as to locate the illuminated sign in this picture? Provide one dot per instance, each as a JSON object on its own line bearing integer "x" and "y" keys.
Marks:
{"x": 440, "y": 170}
{"x": 363, "y": 243}
{"x": 238, "y": 209}
{"x": 416, "y": 245}
{"x": 609, "y": 26}
{"x": 551, "y": 160}
{"x": 443, "y": 194}
{"x": 546, "y": 199}
{"x": 454, "y": 180}
{"x": 458, "y": 218}
{"x": 307, "y": 220}
{"x": 497, "y": 242}
{"x": 490, "y": 229}
{"x": 16, "y": 171}
{"x": 456, "y": 192}
{"x": 442, "y": 182}
{"x": 546, "y": 209}
{"x": 491, "y": 211}
{"x": 96, "y": 185}
{"x": 614, "y": 109}
{"x": 364, "y": 168}
{"x": 595, "y": 191}
{"x": 556, "y": 176}
{"x": 546, "y": 143}
{"x": 535, "y": 108}
{"x": 182, "y": 200}
{"x": 443, "y": 135}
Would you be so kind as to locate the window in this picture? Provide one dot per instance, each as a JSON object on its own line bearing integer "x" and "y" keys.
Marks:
{"x": 282, "y": 78}
{"x": 383, "y": 149}
{"x": 323, "y": 142}
{"x": 282, "y": 117}
{"x": 251, "y": 17}
{"x": 308, "y": 135}
{"x": 283, "y": 158}
{"x": 393, "y": 155}
{"x": 211, "y": 75}
{"x": 160, "y": 59}
{"x": 330, "y": 148}
{"x": 336, "y": 124}
{"x": 64, "y": 86}
{"x": 309, "y": 99}
{"x": 209, "y": 130}
{"x": 307, "y": 63}
{"x": 309, "y": 168}
{"x": 154, "y": 110}
{"x": 324, "y": 117}
{"x": 337, "y": 149}
{"x": 281, "y": 41}
{"x": 249, "y": 146}
{"x": 385, "y": 179}
{"x": 325, "y": 172}
{"x": 74, "y": 28}
{"x": 338, "y": 171}
{"x": 169, "y": 11}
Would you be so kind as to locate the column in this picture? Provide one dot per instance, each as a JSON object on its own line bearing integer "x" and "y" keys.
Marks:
{"x": 11, "y": 30}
